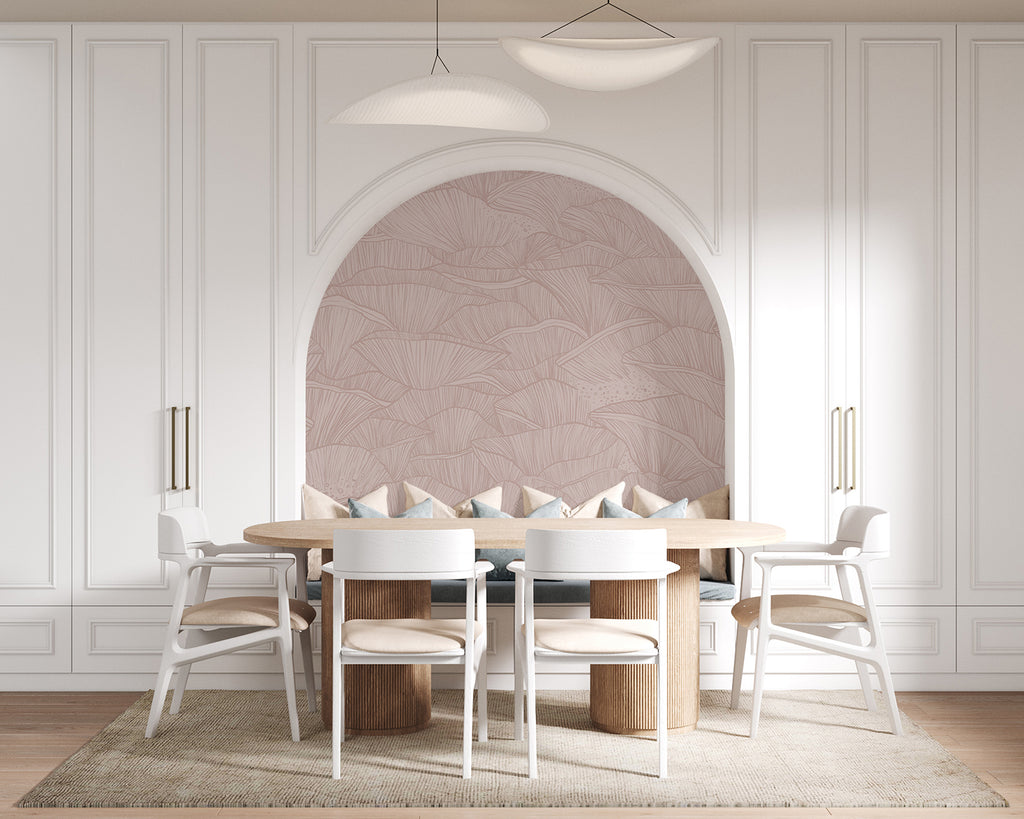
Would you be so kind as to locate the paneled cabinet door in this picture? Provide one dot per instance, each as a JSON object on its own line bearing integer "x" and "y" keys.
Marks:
{"x": 127, "y": 306}
{"x": 35, "y": 336}
{"x": 901, "y": 267}
{"x": 790, "y": 170}
{"x": 237, "y": 183}
{"x": 990, "y": 342}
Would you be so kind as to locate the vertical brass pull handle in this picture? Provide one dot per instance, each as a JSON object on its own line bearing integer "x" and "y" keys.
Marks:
{"x": 187, "y": 470}
{"x": 174, "y": 447}
{"x": 851, "y": 413}
{"x": 837, "y": 461}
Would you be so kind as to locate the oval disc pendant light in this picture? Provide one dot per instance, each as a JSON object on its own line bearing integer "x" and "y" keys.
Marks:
{"x": 452, "y": 100}
{"x": 605, "y": 65}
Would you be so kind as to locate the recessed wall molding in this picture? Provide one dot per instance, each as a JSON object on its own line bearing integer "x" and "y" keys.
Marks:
{"x": 161, "y": 85}
{"x": 27, "y": 637}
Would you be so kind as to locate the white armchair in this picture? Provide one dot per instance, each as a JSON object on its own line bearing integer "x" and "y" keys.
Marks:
{"x": 833, "y": 625}
{"x": 200, "y": 629}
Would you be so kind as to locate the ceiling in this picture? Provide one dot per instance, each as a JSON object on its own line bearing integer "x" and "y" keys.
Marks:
{"x": 510, "y": 10}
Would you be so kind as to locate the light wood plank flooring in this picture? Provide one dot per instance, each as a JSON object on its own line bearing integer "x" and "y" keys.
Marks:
{"x": 39, "y": 730}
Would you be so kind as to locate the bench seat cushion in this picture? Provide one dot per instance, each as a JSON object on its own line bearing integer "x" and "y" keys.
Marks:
{"x": 545, "y": 591}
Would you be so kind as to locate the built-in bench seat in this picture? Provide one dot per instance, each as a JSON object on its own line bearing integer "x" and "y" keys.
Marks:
{"x": 502, "y": 592}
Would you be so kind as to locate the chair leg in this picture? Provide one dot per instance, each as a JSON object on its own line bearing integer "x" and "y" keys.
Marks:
{"x": 179, "y": 687}
{"x": 467, "y": 712}
{"x": 163, "y": 682}
{"x": 759, "y": 663}
{"x": 662, "y": 717}
{"x": 517, "y": 695}
{"x": 531, "y": 710}
{"x": 289, "y": 685}
{"x": 337, "y": 713}
{"x": 737, "y": 665}
{"x": 306, "y": 648}
{"x": 885, "y": 681}
{"x": 481, "y": 697}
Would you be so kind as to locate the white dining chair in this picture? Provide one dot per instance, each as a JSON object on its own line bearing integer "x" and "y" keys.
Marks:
{"x": 833, "y": 625}
{"x": 200, "y": 629}
{"x": 448, "y": 554}
{"x": 553, "y": 554}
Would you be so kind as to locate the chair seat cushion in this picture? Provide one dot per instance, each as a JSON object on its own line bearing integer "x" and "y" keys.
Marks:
{"x": 247, "y": 611}
{"x": 596, "y": 635}
{"x": 406, "y": 636}
{"x": 791, "y": 609}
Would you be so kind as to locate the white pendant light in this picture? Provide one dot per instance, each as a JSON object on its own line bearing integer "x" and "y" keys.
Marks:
{"x": 452, "y": 100}
{"x": 605, "y": 64}
{"x": 460, "y": 100}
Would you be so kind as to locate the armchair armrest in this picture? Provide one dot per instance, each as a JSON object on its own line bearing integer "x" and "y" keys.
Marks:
{"x": 281, "y": 562}
{"x": 790, "y": 559}
{"x": 482, "y": 567}
{"x": 215, "y": 549}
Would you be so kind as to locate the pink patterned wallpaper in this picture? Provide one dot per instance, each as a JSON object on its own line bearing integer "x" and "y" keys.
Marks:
{"x": 515, "y": 328}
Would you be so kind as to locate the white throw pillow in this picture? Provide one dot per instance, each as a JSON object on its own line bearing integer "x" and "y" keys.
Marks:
{"x": 714, "y": 563}
{"x": 534, "y": 498}
{"x": 463, "y": 509}
{"x": 318, "y": 506}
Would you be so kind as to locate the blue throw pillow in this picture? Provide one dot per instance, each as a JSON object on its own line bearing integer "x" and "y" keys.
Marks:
{"x": 551, "y": 509}
{"x": 423, "y": 509}
{"x": 484, "y": 510}
{"x": 610, "y": 509}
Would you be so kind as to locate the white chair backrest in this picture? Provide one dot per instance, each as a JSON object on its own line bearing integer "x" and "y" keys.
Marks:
{"x": 592, "y": 554}
{"x": 177, "y": 529}
{"x": 865, "y": 528}
{"x": 448, "y": 552}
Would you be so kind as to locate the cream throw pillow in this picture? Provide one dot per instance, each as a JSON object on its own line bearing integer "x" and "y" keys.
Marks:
{"x": 464, "y": 509}
{"x": 714, "y": 563}
{"x": 534, "y": 498}
{"x": 318, "y": 506}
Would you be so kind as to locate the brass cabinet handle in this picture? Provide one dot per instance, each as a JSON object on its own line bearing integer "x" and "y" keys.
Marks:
{"x": 174, "y": 448}
{"x": 187, "y": 470}
{"x": 836, "y": 453}
{"x": 851, "y": 459}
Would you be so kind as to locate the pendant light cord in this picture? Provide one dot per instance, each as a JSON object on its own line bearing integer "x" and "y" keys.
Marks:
{"x": 617, "y": 8}
{"x": 437, "y": 40}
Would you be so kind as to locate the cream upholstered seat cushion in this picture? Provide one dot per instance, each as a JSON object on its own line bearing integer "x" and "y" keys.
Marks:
{"x": 406, "y": 636}
{"x": 790, "y": 609}
{"x": 595, "y": 636}
{"x": 247, "y": 611}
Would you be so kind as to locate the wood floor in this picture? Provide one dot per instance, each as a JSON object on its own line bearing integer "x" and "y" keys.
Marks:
{"x": 38, "y": 731}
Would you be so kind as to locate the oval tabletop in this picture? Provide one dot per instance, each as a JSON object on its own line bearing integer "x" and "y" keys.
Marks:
{"x": 497, "y": 533}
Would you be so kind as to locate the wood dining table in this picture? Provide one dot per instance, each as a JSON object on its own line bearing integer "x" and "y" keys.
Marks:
{"x": 392, "y": 699}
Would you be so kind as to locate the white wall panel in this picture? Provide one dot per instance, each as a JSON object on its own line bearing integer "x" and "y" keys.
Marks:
{"x": 990, "y": 291}
{"x": 901, "y": 300}
{"x": 127, "y": 257}
{"x": 990, "y": 639}
{"x": 35, "y": 639}
{"x": 237, "y": 165}
{"x": 35, "y": 332}
{"x": 790, "y": 100}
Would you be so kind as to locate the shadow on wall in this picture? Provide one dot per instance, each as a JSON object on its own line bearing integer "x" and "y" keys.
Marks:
{"x": 515, "y": 328}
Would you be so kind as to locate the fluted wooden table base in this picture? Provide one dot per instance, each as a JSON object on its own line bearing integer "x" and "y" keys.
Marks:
{"x": 622, "y": 697}
{"x": 379, "y": 699}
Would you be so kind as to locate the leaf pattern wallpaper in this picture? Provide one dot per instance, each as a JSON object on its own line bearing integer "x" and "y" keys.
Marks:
{"x": 515, "y": 328}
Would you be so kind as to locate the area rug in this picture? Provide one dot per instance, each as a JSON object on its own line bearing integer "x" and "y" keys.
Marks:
{"x": 233, "y": 749}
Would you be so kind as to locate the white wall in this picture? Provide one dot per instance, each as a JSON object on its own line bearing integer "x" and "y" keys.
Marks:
{"x": 846, "y": 192}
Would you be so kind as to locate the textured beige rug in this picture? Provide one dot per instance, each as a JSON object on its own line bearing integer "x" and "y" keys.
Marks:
{"x": 231, "y": 749}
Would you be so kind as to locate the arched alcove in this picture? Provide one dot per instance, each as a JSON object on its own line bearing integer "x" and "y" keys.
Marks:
{"x": 510, "y": 328}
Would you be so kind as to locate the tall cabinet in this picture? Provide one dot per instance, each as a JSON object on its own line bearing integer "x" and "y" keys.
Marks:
{"x": 183, "y": 165}
{"x": 35, "y": 337}
{"x": 851, "y": 215}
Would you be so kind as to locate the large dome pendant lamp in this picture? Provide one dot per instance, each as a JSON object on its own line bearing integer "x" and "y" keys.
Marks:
{"x": 605, "y": 64}
{"x": 446, "y": 99}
